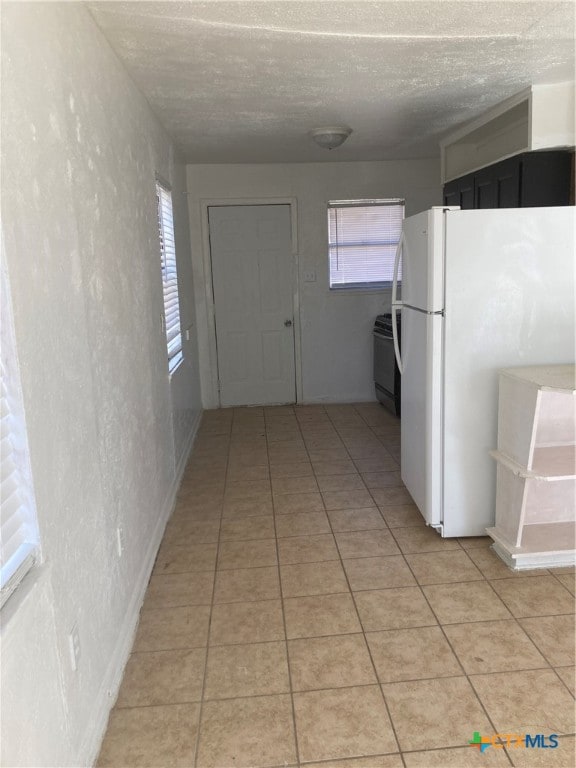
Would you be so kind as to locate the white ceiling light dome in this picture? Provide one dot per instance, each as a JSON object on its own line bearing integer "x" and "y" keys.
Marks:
{"x": 331, "y": 136}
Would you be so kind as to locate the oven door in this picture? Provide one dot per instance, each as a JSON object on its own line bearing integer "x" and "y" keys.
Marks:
{"x": 384, "y": 363}
{"x": 386, "y": 373}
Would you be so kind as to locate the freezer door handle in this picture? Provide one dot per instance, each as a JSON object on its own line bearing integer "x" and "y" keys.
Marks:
{"x": 399, "y": 248}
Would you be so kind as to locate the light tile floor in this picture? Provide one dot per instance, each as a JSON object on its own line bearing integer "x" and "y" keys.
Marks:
{"x": 300, "y": 612}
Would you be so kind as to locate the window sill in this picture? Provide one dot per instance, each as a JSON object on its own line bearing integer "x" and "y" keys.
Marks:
{"x": 345, "y": 290}
{"x": 32, "y": 581}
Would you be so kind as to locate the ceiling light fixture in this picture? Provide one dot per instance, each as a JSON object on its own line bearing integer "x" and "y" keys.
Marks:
{"x": 331, "y": 137}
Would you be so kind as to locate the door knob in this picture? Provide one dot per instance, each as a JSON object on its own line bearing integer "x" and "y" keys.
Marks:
{"x": 287, "y": 323}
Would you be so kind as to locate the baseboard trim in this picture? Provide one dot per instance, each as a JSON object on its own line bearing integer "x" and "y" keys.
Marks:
{"x": 108, "y": 693}
{"x": 339, "y": 400}
{"x": 181, "y": 466}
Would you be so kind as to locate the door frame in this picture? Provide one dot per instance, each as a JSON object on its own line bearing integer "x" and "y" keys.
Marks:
{"x": 213, "y": 393}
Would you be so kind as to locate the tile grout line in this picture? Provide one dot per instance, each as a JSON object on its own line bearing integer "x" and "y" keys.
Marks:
{"x": 366, "y": 639}
{"x": 286, "y": 647}
{"x": 444, "y": 635}
{"x": 376, "y": 684}
{"x": 282, "y": 596}
{"x": 516, "y": 619}
{"x": 319, "y": 690}
{"x": 544, "y": 656}
{"x": 206, "y": 655}
{"x": 367, "y": 646}
{"x": 475, "y": 693}
{"x": 387, "y": 706}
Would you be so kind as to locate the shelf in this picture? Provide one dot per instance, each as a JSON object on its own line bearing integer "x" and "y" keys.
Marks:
{"x": 557, "y": 378}
{"x": 549, "y": 537}
{"x": 555, "y": 462}
{"x": 549, "y": 464}
{"x": 537, "y": 410}
{"x": 545, "y": 545}
{"x": 536, "y": 467}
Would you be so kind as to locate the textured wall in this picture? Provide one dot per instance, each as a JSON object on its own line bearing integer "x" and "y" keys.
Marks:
{"x": 106, "y": 428}
{"x": 336, "y": 327}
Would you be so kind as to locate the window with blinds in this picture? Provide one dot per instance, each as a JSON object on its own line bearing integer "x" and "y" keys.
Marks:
{"x": 169, "y": 277}
{"x": 18, "y": 528}
{"x": 362, "y": 239}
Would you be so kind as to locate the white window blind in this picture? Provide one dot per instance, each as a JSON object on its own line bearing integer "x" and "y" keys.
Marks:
{"x": 362, "y": 239}
{"x": 169, "y": 277}
{"x": 17, "y": 518}
{"x": 19, "y": 543}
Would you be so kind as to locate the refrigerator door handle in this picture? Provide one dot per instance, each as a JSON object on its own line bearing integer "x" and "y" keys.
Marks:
{"x": 395, "y": 310}
{"x": 396, "y": 305}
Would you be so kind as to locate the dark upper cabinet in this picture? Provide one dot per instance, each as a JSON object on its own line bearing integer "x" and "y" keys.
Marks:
{"x": 498, "y": 185}
{"x": 546, "y": 179}
{"x": 460, "y": 192}
{"x": 529, "y": 180}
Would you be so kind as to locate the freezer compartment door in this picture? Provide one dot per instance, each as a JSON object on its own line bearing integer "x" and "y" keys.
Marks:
{"x": 421, "y": 424}
{"x": 423, "y": 261}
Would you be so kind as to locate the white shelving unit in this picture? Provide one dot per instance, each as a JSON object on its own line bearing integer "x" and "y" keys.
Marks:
{"x": 536, "y": 467}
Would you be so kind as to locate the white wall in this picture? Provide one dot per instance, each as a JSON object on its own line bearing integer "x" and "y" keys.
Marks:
{"x": 335, "y": 327}
{"x": 107, "y": 436}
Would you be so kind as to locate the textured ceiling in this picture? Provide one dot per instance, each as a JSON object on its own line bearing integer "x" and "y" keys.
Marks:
{"x": 244, "y": 81}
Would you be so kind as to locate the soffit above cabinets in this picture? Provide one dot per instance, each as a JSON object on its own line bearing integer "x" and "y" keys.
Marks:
{"x": 540, "y": 117}
{"x": 245, "y": 81}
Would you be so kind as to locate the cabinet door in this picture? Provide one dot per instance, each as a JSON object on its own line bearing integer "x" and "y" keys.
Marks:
{"x": 546, "y": 178}
{"x": 524, "y": 181}
{"x": 460, "y": 192}
{"x": 508, "y": 182}
{"x": 498, "y": 185}
{"x": 452, "y": 193}
{"x": 467, "y": 193}
{"x": 485, "y": 189}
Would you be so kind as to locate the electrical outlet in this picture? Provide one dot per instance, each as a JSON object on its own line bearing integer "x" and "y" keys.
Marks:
{"x": 74, "y": 647}
{"x": 120, "y": 540}
{"x": 309, "y": 276}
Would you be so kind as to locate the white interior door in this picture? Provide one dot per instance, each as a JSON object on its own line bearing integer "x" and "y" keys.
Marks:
{"x": 252, "y": 274}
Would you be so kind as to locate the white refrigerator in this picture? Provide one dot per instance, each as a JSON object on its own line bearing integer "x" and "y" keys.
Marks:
{"x": 481, "y": 290}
